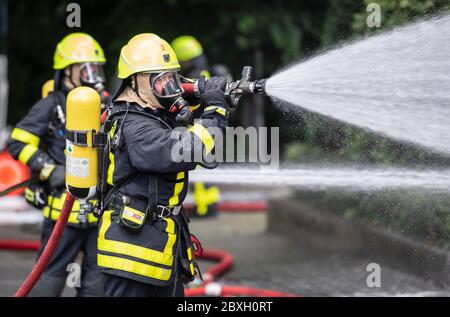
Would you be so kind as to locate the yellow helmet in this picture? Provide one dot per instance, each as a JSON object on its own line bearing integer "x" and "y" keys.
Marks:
{"x": 186, "y": 47}
{"x": 146, "y": 52}
{"x": 77, "y": 48}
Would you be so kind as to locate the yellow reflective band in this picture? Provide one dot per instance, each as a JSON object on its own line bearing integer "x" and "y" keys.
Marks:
{"x": 111, "y": 166}
{"x": 175, "y": 200}
{"x": 46, "y": 171}
{"x": 180, "y": 175}
{"x": 193, "y": 108}
{"x": 189, "y": 253}
{"x": 170, "y": 228}
{"x": 204, "y": 135}
{"x": 56, "y": 213}
{"x": 205, "y": 73}
{"x": 27, "y": 152}
{"x": 25, "y": 137}
{"x": 220, "y": 110}
{"x": 164, "y": 258}
{"x": 106, "y": 222}
{"x": 57, "y": 203}
{"x": 191, "y": 266}
{"x": 73, "y": 217}
{"x": 135, "y": 267}
{"x": 29, "y": 195}
{"x": 136, "y": 251}
{"x": 133, "y": 215}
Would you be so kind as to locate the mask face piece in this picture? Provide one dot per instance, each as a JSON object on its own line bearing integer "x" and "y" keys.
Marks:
{"x": 166, "y": 85}
{"x": 91, "y": 74}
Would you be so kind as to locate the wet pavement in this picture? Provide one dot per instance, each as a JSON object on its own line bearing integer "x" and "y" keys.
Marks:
{"x": 260, "y": 260}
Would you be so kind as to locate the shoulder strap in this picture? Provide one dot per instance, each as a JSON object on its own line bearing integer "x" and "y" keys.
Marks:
{"x": 121, "y": 109}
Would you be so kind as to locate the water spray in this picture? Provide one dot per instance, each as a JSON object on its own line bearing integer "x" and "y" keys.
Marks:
{"x": 234, "y": 89}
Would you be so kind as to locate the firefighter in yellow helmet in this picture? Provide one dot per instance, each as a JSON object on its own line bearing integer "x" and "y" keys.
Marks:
{"x": 38, "y": 140}
{"x": 144, "y": 243}
{"x": 190, "y": 54}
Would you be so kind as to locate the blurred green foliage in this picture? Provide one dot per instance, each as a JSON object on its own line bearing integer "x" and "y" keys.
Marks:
{"x": 231, "y": 31}
{"x": 422, "y": 216}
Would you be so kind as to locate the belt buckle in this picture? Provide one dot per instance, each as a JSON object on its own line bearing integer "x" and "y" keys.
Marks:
{"x": 165, "y": 211}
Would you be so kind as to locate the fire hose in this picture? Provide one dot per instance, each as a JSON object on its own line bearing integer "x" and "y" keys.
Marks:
{"x": 50, "y": 247}
{"x": 211, "y": 288}
{"x": 208, "y": 286}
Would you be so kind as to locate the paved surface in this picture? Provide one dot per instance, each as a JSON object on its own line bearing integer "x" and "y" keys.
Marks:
{"x": 261, "y": 260}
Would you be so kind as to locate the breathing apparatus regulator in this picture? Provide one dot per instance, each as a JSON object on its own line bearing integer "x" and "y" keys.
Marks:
{"x": 92, "y": 75}
{"x": 168, "y": 89}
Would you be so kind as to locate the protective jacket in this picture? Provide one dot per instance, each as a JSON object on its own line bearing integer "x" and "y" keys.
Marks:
{"x": 143, "y": 234}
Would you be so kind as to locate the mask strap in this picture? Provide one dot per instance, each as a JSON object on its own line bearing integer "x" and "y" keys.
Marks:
{"x": 136, "y": 86}
{"x": 70, "y": 77}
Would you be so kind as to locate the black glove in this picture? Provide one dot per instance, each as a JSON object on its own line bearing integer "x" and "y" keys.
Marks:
{"x": 214, "y": 98}
{"x": 213, "y": 92}
{"x": 214, "y": 83}
{"x": 57, "y": 178}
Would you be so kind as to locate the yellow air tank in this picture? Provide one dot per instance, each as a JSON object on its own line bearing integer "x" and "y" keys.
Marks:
{"x": 82, "y": 120}
{"x": 47, "y": 87}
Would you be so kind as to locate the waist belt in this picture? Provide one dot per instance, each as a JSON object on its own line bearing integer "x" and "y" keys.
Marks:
{"x": 119, "y": 200}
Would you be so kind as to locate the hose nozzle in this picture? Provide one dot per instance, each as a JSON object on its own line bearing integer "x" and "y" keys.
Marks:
{"x": 234, "y": 89}
{"x": 258, "y": 87}
{"x": 245, "y": 85}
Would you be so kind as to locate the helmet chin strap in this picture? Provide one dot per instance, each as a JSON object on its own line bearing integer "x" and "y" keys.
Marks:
{"x": 68, "y": 80}
{"x": 143, "y": 94}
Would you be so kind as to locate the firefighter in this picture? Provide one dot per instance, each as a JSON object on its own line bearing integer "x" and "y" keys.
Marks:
{"x": 38, "y": 140}
{"x": 190, "y": 54}
{"x": 144, "y": 244}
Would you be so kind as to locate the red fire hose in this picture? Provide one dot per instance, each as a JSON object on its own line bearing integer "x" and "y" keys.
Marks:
{"x": 207, "y": 288}
{"x": 188, "y": 88}
{"x": 236, "y": 207}
{"x": 21, "y": 245}
{"x": 50, "y": 247}
{"x": 215, "y": 289}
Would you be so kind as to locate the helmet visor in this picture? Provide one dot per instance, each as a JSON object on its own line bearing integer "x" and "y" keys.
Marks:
{"x": 166, "y": 84}
{"x": 92, "y": 73}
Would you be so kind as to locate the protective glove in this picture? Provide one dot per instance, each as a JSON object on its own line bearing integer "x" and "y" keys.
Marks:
{"x": 213, "y": 95}
{"x": 54, "y": 174}
{"x": 214, "y": 83}
{"x": 214, "y": 98}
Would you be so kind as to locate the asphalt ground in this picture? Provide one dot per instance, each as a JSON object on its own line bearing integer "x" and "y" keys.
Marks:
{"x": 260, "y": 260}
